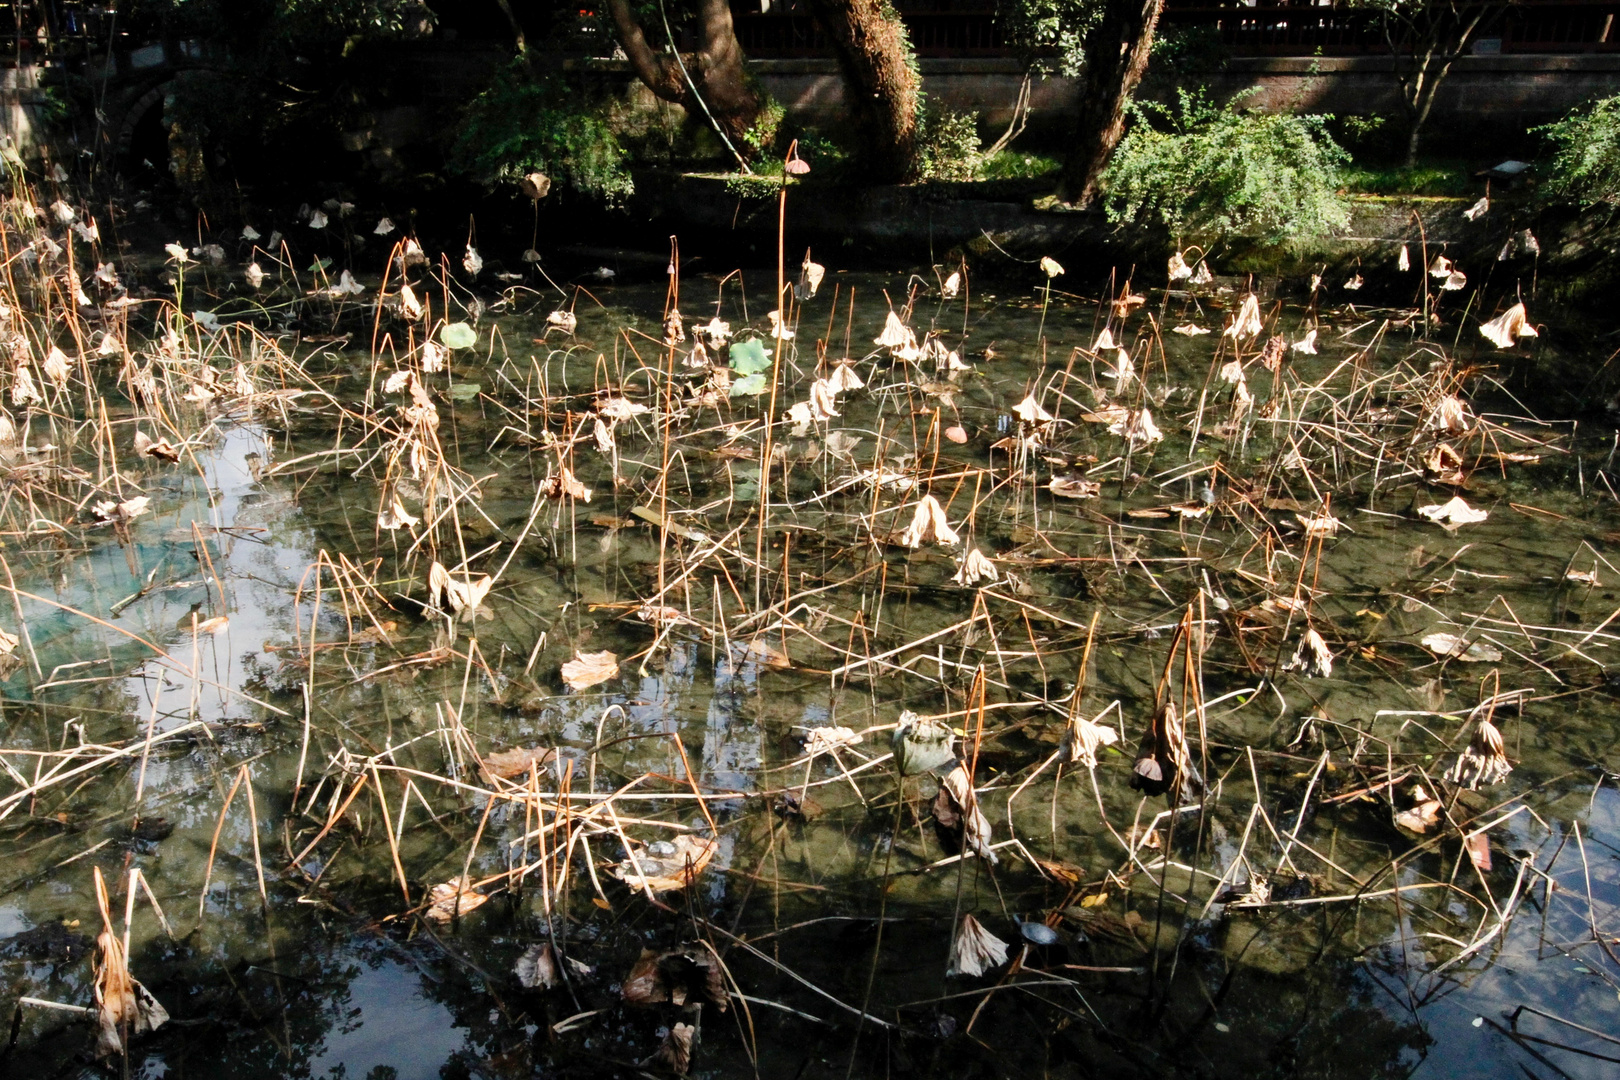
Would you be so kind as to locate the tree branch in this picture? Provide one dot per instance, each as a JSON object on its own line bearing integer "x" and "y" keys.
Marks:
{"x": 649, "y": 67}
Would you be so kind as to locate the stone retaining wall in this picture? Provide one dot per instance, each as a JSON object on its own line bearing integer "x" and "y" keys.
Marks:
{"x": 1485, "y": 97}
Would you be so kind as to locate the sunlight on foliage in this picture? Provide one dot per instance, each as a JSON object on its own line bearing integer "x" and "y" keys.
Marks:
{"x": 526, "y": 122}
{"x": 1585, "y": 166}
{"x": 1200, "y": 168}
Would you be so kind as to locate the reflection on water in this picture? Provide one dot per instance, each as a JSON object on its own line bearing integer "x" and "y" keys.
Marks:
{"x": 326, "y": 981}
{"x": 392, "y": 1030}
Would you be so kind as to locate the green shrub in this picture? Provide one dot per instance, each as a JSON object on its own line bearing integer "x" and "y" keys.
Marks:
{"x": 1017, "y": 165}
{"x": 527, "y": 121}
{"x": 1585, "y": 165}
{"x": 1203, "y": 169}
{"x": 948, "y": 144}
{"x": 1442, "y": 178}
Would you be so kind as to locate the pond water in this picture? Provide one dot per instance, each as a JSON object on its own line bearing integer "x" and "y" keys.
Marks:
{"x": 1279, "y": 923}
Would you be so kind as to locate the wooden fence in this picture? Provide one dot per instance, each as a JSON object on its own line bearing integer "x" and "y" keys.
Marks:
{"x": 945, "y": 29}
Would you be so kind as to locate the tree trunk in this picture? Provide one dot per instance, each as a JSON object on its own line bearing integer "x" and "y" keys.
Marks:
{"x": 1431, "y": 40}
{"x": 724, "y": 91}
{"x": 880, "y": 84}
{"x": 1116, "y": 56}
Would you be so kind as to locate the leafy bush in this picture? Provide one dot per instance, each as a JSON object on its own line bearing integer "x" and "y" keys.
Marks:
{"x": 948, "y": 144}
{"x": 762, "y": 136}
{"x": 1585, "y": 166}
{"x": 1017, "y": 165}
{"x": 526, "y": 121}
{"x": 1442, "y": 178}
{"x": 1200, "y": 168}
{"x": 1050, "y": 34}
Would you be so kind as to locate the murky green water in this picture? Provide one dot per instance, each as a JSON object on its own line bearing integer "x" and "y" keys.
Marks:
{"x": 850, "y": 907}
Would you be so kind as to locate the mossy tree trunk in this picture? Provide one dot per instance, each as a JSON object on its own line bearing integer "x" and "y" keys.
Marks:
{"x": 881, "y": 84}
{"x": 1116, "y": 52}
{"x": 728, "y": 96}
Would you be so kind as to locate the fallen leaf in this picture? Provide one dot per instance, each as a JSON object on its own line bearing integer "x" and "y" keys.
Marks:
{"x": 589, "y": 669}
{"x": 921, "y": 744}
{"x": 822, "y": 740}
{"x": 659, "y": 871}
{"x": 452, "y": 899}
{"x": 895, "y": 334}
{"x": 1453, "y": 513}
{"x": 1423, "y": 815}
{"x": 518, "y": 761}
{"x": 457, "y": 596}
{"x": 1070, "y": 488}
{"x": 564, "y": 483}
{"x": 1030, "y": 412}
{"x": 536, "y": 969}
{"x": 1068, "y": 873}
{"x": 123, "y": 1005}
{"x": 1319, "y": 525}
{"x": 395, "y": 516}
{"x": 1128, "y": 303}
{"x": 1460, "y": 648}
{"x": 161, "y": 449}
{"x": 810, "y": 275}
{"x": 956, "y": 434}
{"x": 619, "y": 408}
{"x": 675, "y": 1052}
{"x": 678, "y": 976}
{"x": 975, "y": 568}
{"x": 1312, "y": 657}
{"x": 120, "y": 513}
{"x": 975, "y": 950}
{"x": 961, "y": 807}
{"x": 1081, "y": 739}
{"x": 928, "y": 524}
{"x": 1247, "y": 323}
{"x": 210, "y": 627}
{"x": 1137, "y": 428}
{"x": 409, "y": 305}
{"x": 1506, "y": 329}
{"x": 662, "y": 615}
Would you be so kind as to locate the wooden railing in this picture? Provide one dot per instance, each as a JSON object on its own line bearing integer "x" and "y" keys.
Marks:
{"x": 933, "y": 33}
{"x": 40, "y": 31}
{"x": 1525, "y": 26}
